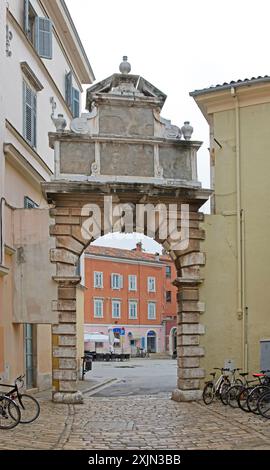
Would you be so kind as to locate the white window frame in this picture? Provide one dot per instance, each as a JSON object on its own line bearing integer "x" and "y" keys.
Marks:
{"x": 152, "y": 315}
{"x": 96, "y": 302}
{"x": 114, "y": 303}
{"x": 98, "y": 279}
{"x": 120, "y": 283}
{"x": 151, "y": 284}
{"x": 132, "y": 282}
{"x": 132, "y": 303}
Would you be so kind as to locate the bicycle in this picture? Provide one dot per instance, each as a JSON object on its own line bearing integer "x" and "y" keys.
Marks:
{"x": 213, "y": 389}
{"x": 10, "y": 414}
{"x": 263, "y": 405}
{"x": 227, "y": 386}
{"x": 259, "y": 390}
{"x": 246, "y": 391}
{"x": 28, "y": 406}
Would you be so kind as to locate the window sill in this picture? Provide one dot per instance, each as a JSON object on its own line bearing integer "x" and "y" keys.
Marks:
{"x": 3, "y": 270}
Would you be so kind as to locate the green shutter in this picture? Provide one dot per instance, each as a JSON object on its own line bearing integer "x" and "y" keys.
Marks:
{"x": 68, "y": 89}
{"x": 75, "y": 103}
{"x": 26, "y": 17}
{"x": 43, "y": 37}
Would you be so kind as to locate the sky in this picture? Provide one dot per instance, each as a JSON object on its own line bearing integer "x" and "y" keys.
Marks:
{"x": 179, "y": 46}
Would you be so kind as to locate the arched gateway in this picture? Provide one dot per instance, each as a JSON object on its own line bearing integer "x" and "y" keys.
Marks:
{"x": 122, "y": 167}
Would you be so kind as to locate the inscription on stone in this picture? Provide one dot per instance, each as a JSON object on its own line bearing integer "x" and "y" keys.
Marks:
{"x": 127, "y": 159}
{"x": 126, "y": 121}
{"x": 77, "y": 158}
{"x": 176, "y": 162}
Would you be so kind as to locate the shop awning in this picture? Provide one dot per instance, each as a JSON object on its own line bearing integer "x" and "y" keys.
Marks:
{"x": 96, "y": 337}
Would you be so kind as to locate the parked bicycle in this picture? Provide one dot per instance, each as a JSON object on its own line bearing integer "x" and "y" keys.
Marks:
{"x": 214, "y": 388}
{"x": 10, "y": 414}
{"x": 29, "y": 408}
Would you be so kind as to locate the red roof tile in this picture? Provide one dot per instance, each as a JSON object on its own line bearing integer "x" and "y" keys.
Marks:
{"x": 125, "y": 254}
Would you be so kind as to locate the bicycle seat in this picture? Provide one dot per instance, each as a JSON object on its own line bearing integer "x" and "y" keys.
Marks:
{"x": 258, "y": 375}
{"x": 213, "y": 374}
{"x": 244, "y": 374}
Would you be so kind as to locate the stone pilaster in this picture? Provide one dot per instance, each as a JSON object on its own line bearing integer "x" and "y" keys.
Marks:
{"x": 189, "y": 329}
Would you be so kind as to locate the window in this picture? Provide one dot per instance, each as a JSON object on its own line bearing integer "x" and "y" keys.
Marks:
{"x": 116, "y": 281}
{"x": 116, "y": 308}
{"x": 132, "y": 282}
{"x": 29, "y": 115}
{"x": 98, "y": 308}
{"x": 151, "y": 311}
{"x": 168, "y": 271}
{"x": 38, "y": 30}
{"x": 132, "y": 309}
{"x": 72, "y": 96}
{"x": 168, "y": 296}
{"x": 151, "y": 284}
{"x": 98, "y": 279}
{"x": 29, "y": 204}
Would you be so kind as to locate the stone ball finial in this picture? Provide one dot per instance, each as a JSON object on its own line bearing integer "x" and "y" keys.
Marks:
{"x": 125, "y": 66}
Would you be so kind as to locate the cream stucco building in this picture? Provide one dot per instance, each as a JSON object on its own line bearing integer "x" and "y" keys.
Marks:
{"x": 237, "y": 270}
{"x": 43, "y": 66}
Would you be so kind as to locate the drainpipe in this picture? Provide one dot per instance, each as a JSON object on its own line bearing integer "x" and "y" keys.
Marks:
{"x": 241, "y": 315}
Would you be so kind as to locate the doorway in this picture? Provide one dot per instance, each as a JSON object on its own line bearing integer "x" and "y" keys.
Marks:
{"x": 151, "y": 342}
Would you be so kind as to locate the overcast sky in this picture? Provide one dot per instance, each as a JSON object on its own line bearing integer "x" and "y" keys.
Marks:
{"x": 179, "y": 46}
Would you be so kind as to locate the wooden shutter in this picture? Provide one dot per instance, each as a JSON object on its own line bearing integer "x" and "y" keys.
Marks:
{"x": 68, "y": 88}
{"x": 121, "y": 282}
{"x": 43, "y": 37}
{"x": 26, "y": 17}
{"x": 30, "y": 115}
{"x": 75, "y": 103}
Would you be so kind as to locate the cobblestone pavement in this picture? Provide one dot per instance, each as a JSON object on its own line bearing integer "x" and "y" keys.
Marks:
{"x": 139, "y": 422}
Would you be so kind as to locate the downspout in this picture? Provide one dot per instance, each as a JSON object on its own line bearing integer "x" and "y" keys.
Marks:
{"x": 241, "y": 314}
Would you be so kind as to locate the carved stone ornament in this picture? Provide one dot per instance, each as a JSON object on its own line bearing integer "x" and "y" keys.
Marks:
{"x": 80, "y": 124}
{"x": 170, "y": 131}
{"x": 95, "y": 169}
{"x": 159, "y": 172}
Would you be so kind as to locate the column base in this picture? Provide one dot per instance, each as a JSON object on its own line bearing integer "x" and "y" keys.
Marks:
{"x": 186, "y": 395}
{"x": 69, "y": 398}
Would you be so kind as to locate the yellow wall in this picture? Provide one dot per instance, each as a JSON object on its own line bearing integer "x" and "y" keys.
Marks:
{"x": 80, "y": 326}
{"x": 223, "y": 338}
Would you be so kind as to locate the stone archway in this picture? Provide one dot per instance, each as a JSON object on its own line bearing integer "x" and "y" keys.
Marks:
{"x": 117, "y": 163}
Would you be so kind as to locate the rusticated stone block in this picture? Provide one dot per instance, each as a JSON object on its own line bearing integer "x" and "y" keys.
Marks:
{"x": 188, "y": 294}
{"x": 67, "y": 317}
{"x": 64, "y": 329}
{"x": 191, "y": 306}
{"x": 60, "y": 230}
{"x": 197, "y": 234}
{"x": 191, "y": 329}
{"x": 188, "y": 362}
{"x": 65, "y": 270}
{"x": 65, "y": 375}
{"x": 67, "y": 293}
{"x": 70, "y": 244}
{"x": 67, "y": 305}
{"x": 194, "y": 245}
{"x": 188, "y": 317}
{"x": 188, "y": 384}
{"x": 64, "y": 352}
{"x": 67, "y": 364}
{"x": 191, "y": 272}
{"x": 190, "y": 351}
{"x": 59, "y": 211}
{"x": 193, "y": 259}
{"x": 188, "y": 340}
{"x": 71, "y": 220}
{"x": 63, "y": 256}
{"x": 80, "y": 235}
{"x": 192, "y": 373}
{"x": 67, "y": 340}
{"x": 69, "y": 398}
{"x": 68, "y": 386}
{"x": 186, "y": 395}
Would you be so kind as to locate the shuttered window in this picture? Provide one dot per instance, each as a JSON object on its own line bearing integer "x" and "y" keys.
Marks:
{"x": 29, "y": 115}
{"x": 75, "y": 103}
{"x": 43, "y": 37}
{"x": 68, "y": 89}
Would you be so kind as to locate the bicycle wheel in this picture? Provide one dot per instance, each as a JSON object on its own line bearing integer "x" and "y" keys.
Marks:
{"x": 208, "y": 393}
{"x": 223, "y": 394}
{"x": 10, "y": 414}
{"x": 243, "y": 397}
{"x": 232, "y": 395}
{"x": 253, "y": 398}
{"x": 29, "y": 408}
{"x": 264, "y": 405}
